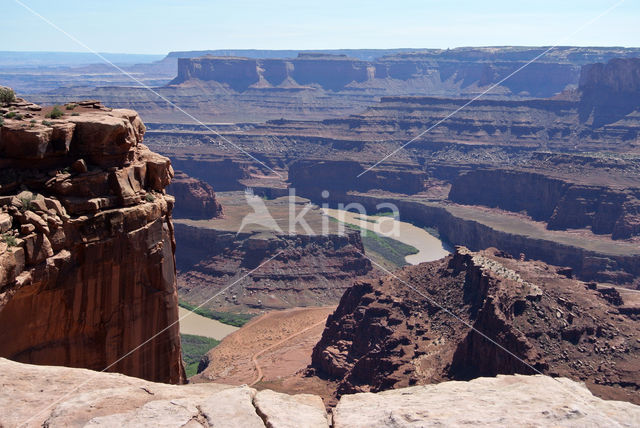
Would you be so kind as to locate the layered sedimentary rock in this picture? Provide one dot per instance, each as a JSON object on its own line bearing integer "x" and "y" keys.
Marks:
{"x": 267, "y": 258}
{"x": 115, "y": 400}
{"x": 480, "y": 314}
{"x": 610, "y": 91}
{"x": 195, "y": 199}
{"x": 87, "y": 271}
{"x": 298, "y": 270}
{"x": 537, "y": 159}
{"x": 251, "y": 86}
{"x": 604, "y": 209}
{"x": 442, "y": 71}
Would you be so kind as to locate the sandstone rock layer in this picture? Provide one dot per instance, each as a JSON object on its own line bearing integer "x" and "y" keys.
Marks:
{"x": 35, "y": 396}
{"x": 87, "y": 268}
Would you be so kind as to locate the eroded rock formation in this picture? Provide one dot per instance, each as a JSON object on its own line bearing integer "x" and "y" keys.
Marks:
{"x": 87, "y": 270}
{"x": 302, "y": 270}
{"x": 479, "y": 314}
{"x": 195, "y": 199}
{"x": 561, "y": 203}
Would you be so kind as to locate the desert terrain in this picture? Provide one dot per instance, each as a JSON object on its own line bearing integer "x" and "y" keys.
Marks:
{"x": 319, "y": 238}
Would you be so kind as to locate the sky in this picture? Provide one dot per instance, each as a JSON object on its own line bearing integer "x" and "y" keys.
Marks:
{"x": 161, "y": 26}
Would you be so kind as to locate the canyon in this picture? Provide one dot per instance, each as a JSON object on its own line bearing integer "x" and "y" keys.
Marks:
{"x": 536, "y": 186}
{"x": 552, "y": 178}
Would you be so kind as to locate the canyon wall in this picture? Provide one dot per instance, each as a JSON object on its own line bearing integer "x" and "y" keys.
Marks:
{"x": 243, "y": 86}
{"x": 306, "y": 270}
{"x": 442, "y": 71}
{"x": 609, "y": 91}
{"x": 562, "y": 204}
{"x": 87, "y": 269}
{"x": 591, "y": 259}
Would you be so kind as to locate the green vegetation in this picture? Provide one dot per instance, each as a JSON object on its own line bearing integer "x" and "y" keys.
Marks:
{"x": 369, "y": 220}
{"x": 9, "y": 239}
{"x": 75, "y": 114}
{"x": 71, "y": 106}
{"x": 384, "y": 214}
{"x": 392, "y": 250}
{"x": 56, "y": 113}
{"x": 237, "y": 320}
{"x": 26, "y": 202}
{"x": 193, "y": 349}
{"x": 47, "y": 123}
{"x": 1, "y": 120}
{"x": 10, "y": 115}
{"x": 149, "y": 197}
{"x": 7, "y": 95}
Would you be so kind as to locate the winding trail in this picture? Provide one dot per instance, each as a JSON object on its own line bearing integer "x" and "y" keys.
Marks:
{"x": 254, "y": 357}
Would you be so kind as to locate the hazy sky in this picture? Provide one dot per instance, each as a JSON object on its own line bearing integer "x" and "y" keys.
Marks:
{"x": 160, "y": 26}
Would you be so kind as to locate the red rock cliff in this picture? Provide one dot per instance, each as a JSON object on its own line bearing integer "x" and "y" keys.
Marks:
{"x": 87, "y": 269}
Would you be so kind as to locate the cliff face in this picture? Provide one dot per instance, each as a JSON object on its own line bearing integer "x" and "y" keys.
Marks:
{"x": 561, "y": 203}
{"x": 307, "y": 271}
{"x": 87, "y": 270}
{"x": 311, "y": 177}
{"x": 195, "y": 199}
{"x": 610, "y": 91}
{"x": 385, "y": 335}
{"x": 438, "y": 71}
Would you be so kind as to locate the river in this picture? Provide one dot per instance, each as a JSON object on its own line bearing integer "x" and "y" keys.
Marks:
{"x": 192, "y": 323}
{"x": 429, "y": 247}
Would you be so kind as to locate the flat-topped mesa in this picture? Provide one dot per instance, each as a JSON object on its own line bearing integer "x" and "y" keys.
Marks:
{"x": 87, "y": 269}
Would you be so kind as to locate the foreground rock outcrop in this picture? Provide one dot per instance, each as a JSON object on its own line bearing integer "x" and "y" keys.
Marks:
{"x": 35, "y": 396}
{"x": 480, "y": 314}
{"x": 502, "y": 401}
{"x": 87, "y": 269}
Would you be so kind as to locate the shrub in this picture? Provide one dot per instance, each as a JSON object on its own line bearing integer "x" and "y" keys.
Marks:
{"x": 10, "y": 115}
{"x": 1, "y": 120}
{"x": 193, "y": 349}
{"x": 71, "y": 106}
{"x": 9, "y": 239}
{"x": 7, "y": 95}
{"x": 47, "y": 123}
{"x": 26, "y": 202}
{"x": 149, "y": 197}
{"x": 56, "y": 113}
{"x": 18, "y": 117}
{"x": 75, "y": 114}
